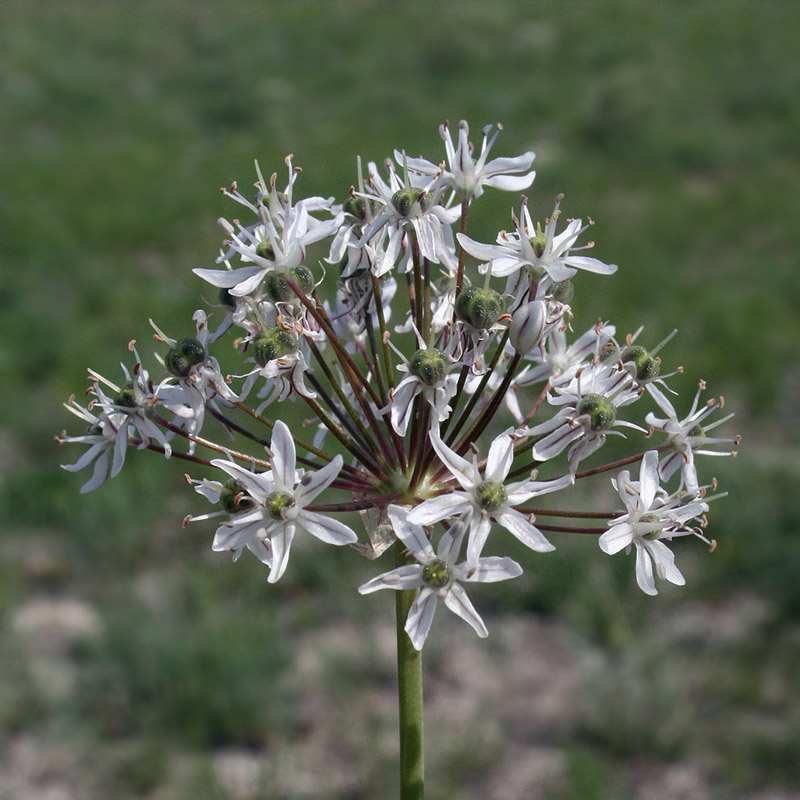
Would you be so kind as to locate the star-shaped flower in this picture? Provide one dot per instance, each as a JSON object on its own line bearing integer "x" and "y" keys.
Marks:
{"x": 438, "y": 576}
{"x": 484, "y": 499}
{"x": 281, "y": 495}
{"x": 651, "y": 515}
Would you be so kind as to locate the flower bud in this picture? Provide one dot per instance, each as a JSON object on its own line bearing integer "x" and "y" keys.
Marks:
{"x": 186, "y": 354}
{"x": 279, "y": 291}
{"x": 480, "y": 308}
{"x": 430, "y": 366}
{"x": 645, "y": 366}
{"x": 600, "y": 410}
{"x": 527, "y": 325}
{"x": 276, "y": 342}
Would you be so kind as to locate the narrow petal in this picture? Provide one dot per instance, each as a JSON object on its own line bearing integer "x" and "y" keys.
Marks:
{"x": 490, "y": 570}
{"x": 644, "y": 571}
{"x": 528, "y": 534}
{"x": 315, "y": 482}
{"x": 420, "y": 617}
{"x": 281, "y": 542}
{"x": 616, "y": 538}
{"x": 458, "y": 602}
{"x": 461, "y": 469}
{"x": 283, "y": 457}
{"x": 500, "y": 458}
{"x": 401, "y": 578}
{"x": 438, "y": 508}
{"x": 410, "y": 534}
{"x": 326, "y": 529}
{"x": 480, "y": 527}
{"x": 648, "y": 478}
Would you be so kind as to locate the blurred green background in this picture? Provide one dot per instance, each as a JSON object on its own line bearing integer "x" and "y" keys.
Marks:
{"x": 136, "y": 663}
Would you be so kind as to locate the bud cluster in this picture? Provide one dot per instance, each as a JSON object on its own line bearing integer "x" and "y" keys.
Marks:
{"x": 479, "y": 343}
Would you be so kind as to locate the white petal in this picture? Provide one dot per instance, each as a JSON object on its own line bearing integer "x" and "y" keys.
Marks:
{"x": 528, "y": 534}
{"x": 283, "y": 457}
{"x": 325, "y": 528}
{"x": 227, "y": 278}
{"x": 480, "y": 527}
{"x": 313, "y": 483}
{"x": 410, "y": 534}
{"x": 644, "y": 571}
{"x": 500, "y": 458}
{"x": 405, "y": 577}
{"x": 458, "y": 602}
{"x": 420, "y": 617}
{"x": 490, "y": 570}
{"x": 648, "y": 478}
{"x": 590, "y": 265}
{"x": 281, "y": 542}
{"x": 438, "y": 508}
{"x": 616, "y": 538}
{"x": 461, "y": 469}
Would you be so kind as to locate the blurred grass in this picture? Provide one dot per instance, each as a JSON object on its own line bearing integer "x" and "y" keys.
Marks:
{"x": 673, "y": 125}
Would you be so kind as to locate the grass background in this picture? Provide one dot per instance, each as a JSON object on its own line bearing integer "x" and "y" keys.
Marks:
{"x": 674, "y": 125}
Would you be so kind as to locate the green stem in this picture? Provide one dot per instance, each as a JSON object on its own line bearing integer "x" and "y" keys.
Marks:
{"x": 409, "y": 691}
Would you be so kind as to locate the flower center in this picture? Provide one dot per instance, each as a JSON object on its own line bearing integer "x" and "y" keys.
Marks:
{"x": 279, "y": 504}
{"x": 599, "y": 409}
{"x": 436, "y": 574}
{"x": 649, "y": 519}
{"x": 430, "y": 366}
{"x": 125, "y": 397}
{"x": 490, "y": 495}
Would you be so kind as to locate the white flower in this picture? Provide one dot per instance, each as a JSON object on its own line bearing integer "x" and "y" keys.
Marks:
{"x": 587, "y": 416}
{"x": 651, "y": 515}
{"x": 277, "y": 243}
{"x": 468, "y": 177}
{"x": 687, "y": 436}
{"x": 106, "y": 448}
{"x": 484, "y": 499}
{"x": 429, "y": 374}
{"x": 281, "y": 496}
{"x": 541, "y": 251}
{"x": 438, "y": 576}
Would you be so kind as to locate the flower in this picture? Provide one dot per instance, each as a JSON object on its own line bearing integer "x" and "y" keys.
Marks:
{"x": 651, "y": 515}
{"x": 586, "y": 417}
{"x": 281, "y": 495}
{"x": 687, "y": 436}
{"x": 437, "y": 576}
{"x": 484, "y": 499}
{"x": 468, "y": 177}
{"x": 541, "y": 251}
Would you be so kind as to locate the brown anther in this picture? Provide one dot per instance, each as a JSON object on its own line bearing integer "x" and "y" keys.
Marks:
{"x": 713, "y": 546}
{"x": 386, "y": 337}
{"x": 650, "y": 433}
{"x": 186, "y": 520}
{"x": 702, "y": 385}
{"x": 714, "y": 484}
{"x": 721, "y": 401}
{"x": 473, "y": 447}
{"x": 187, "y": 479}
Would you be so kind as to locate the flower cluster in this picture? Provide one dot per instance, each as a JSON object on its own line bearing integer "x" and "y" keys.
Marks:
{"x": 435, "y": 418}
